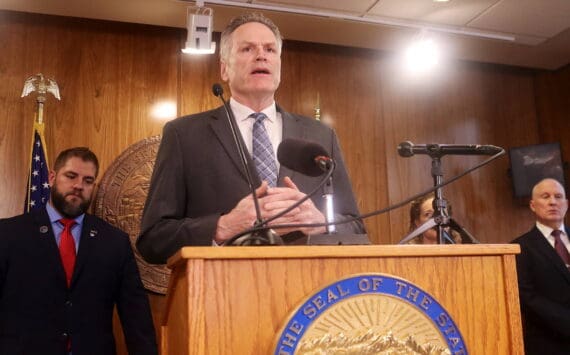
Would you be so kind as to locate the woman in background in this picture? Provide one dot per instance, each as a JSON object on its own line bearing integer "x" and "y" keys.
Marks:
{"x": 421, "y": 210}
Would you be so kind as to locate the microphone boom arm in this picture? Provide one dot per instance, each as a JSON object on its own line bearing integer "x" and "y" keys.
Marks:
{"x": 271, "y": 237}
{"x": 402, "y": 203}
{"x": 241, "y": 149}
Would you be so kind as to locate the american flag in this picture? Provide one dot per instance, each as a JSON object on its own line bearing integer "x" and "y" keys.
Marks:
{"x": 37, "y": 193}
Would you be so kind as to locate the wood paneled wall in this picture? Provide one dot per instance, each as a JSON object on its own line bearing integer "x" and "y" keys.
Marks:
{"x": 553, "y": 108}
{"x": 110, "y": 75}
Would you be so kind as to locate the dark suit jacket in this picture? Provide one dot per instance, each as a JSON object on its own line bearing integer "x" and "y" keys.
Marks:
{"x": 198, "y": 176}
{"x": 38, "y": 311}
{"x": 544, "y": 288}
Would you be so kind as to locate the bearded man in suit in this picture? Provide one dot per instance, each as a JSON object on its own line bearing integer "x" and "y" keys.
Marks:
{"x": 543, "y": 274}
{"x": 199, "y": 194}
{"x": 62, "y": 271}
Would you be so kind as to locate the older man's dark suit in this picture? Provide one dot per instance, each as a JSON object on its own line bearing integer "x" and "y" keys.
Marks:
{"x": 38, "y": 311}
{"x": 198, "y": 176}
{"x": 544, "y": 287}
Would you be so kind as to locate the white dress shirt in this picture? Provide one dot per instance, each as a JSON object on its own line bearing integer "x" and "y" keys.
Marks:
{"x": 273, "y": 125}
{"x": 547, "y": 232}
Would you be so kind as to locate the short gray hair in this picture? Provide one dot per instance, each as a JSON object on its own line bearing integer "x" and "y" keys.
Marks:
{"x": 226, "y": 43}
{"x": 533, "y": 191}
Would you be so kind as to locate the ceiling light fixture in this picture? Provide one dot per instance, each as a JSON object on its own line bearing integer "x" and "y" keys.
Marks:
{"x": 199, "y": 21}
{"x": 422, "y": 55}
{"x": 372, "y": 20}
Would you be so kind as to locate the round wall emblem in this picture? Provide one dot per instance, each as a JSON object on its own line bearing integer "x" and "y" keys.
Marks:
{"x": 370, "y": 314}
{"x": 121, "y": 197}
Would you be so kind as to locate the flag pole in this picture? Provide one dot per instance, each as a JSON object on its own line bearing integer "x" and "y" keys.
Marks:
{"x": 37, "y": 191}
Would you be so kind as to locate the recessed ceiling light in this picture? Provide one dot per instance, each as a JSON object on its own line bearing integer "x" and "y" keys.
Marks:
{"x": 422, "y": 56}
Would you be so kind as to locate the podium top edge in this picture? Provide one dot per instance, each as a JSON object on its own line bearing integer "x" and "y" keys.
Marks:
{"x": 342, "y": 251}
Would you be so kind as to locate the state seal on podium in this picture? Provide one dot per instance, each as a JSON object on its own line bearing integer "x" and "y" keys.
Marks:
{"x": 369, "y": 314}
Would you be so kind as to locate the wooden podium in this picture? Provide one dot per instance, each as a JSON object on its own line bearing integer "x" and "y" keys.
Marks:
{"x": 234, "y": 300}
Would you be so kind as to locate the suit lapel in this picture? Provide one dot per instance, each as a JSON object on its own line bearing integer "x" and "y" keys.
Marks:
{"x": 221, "y": 127}
{"x": 46, "y": 239}
{"x": 550, "y": 255}
{"x": 292, "y": 128}
{"x": 89, "y": 236}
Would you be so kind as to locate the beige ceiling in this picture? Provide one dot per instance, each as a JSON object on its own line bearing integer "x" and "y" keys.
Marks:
{"x": 540, "y": 28}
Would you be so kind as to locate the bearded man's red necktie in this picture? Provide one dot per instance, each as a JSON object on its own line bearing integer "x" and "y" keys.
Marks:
{"x": 67, "y": 248}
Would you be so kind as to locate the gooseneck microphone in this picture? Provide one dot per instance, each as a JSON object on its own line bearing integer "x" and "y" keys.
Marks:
{"x": 408, "y": 149}
{"x": 261, "y": 237}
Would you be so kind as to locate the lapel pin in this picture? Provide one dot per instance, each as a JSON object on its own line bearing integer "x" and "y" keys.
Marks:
{"x": 92, "y": 233}
{"x": 44, "y": 229}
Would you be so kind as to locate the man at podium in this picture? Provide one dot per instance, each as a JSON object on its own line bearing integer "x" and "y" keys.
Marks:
{"x": 199, "y": 194}
{"x": 544, "y": 277}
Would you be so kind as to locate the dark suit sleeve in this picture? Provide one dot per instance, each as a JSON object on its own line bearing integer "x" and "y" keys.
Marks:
{"x": 3, "y": 257}
{"x": 165, "y": 228}
{"x": 133, "y": 307}
{"x": 545, "y": 298}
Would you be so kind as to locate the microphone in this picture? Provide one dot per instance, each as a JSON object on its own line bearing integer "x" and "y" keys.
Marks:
{"x": 308, "y": 158}
{"x": 408, "y": 149}
{"x": 218, "y": 91}
{"x": 264, "y": 237}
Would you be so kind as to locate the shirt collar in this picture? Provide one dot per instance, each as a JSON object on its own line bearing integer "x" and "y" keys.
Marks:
{"x": 242, "y": 112}
{"x": 547, "y": 231}
{"x": 55, "y": 216}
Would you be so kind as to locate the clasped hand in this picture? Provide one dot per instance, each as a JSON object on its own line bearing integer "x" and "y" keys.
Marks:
{"x": 272, "y": 200}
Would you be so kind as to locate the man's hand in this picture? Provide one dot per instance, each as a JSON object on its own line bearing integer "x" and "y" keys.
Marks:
{"x": 240, "y": 218}
{"x": 279, "y": 198}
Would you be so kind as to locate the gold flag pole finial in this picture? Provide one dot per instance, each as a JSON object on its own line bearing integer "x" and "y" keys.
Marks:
{"x": 37, "y": 83}
{"x": 318, "y": 108}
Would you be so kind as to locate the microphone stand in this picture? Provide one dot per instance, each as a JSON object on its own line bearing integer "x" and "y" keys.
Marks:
{"x": 331, "y": 237}
{"x": 441, "y": 219}
{"x": 336, "y": 238}
{"x": 259, "y": 237}
{"x": 329, "y": 203}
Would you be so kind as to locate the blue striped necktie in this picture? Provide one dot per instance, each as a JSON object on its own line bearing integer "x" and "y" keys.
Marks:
{"x": 262, "y": 151}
